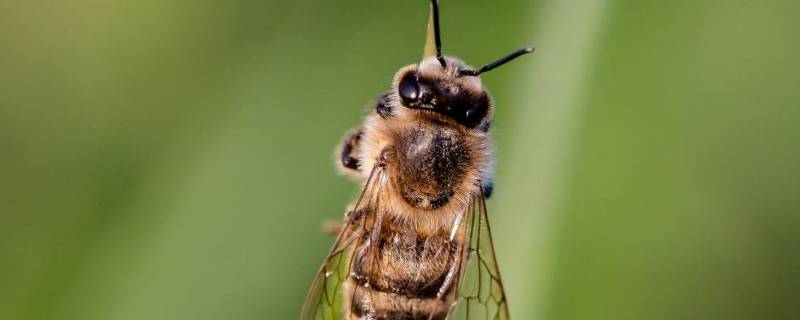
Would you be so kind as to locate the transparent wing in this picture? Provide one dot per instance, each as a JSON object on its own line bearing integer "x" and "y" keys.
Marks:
{"x": 480, "y": 291}
{"x": 324, "y": 298}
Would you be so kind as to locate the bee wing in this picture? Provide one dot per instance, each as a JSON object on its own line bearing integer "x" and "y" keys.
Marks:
{"x": 480, "y": 290}
{"x": 324, "y": 298}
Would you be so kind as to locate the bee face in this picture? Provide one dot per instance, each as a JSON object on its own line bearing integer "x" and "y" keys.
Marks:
{"x": 430, "y": 87}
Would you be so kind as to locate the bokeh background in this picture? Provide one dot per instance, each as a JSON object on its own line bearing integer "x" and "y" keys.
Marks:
{"x": 172, "y": 159}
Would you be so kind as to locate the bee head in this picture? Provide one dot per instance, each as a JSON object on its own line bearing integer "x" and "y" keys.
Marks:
{"x": 431, "y": 88}
{"x": 445, "y": 85}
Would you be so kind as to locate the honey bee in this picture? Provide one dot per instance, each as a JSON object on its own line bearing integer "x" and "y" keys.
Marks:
{"x": 417, "y": 243}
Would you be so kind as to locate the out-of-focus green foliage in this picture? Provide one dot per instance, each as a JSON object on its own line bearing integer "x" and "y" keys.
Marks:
{"x": 172, "y": 159}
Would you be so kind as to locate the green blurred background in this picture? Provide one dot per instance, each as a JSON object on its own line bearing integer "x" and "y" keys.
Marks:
{"x": 172, "y": 159}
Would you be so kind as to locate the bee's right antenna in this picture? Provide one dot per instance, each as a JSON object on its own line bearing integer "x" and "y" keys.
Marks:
{"x": 496, "y": 63}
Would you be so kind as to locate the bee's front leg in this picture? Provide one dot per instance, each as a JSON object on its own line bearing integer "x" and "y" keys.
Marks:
{"x": 347, "y": 154}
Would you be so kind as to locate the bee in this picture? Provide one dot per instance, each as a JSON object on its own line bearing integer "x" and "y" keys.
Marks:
{"x": 417, "y": 243}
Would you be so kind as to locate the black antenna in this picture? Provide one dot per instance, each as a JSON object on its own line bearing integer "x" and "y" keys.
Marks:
{"x": 438, "y": 39}
{"x": 496, "y": 63}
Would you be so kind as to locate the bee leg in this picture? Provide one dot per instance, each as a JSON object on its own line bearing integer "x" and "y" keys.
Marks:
{"x": 331, "y": 227}
{"x": 488, "y": 188}
{"x": 451, "y": 276}
{"x": 348, "y": 153}
{"x": 383, "y": 108}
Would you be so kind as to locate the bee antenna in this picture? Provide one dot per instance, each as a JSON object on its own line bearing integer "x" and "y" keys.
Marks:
{"x": 496, "y": 63}
{"x": 437, "y": 37}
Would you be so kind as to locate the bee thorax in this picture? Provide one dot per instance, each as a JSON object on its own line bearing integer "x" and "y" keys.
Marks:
{"x": 430, "y": 162}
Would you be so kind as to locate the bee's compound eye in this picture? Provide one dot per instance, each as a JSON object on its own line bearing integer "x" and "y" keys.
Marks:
{"x": 409, "y": 88}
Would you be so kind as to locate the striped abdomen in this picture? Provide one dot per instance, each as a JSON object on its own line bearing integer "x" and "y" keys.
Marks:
{"x": 401, "y": 276}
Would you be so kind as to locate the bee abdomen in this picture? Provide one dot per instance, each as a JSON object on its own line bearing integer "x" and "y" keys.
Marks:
{"x": 405, "y": 278}
{"x": 370, "y": 303}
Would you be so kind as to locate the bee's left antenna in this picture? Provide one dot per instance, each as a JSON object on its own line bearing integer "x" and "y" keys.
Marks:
{"x": 496, "y": 63}
{"x": 436, "y": 34}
